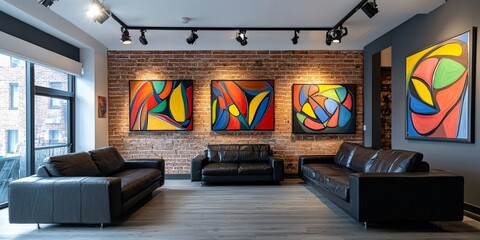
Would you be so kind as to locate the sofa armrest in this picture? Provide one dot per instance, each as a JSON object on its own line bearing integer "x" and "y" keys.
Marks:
{"x": 196, "y": 166}
{"x": 64, "y": 200}
{"x": 157, "y": 163}
{"x": 306, "y": 159}
{"x": 383, "y": 197}
{"x": 278, "y": 169}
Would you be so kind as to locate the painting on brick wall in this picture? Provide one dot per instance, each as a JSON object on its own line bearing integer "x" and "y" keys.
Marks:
{"x": 323, "y": 108}
{"x": 161, "y": 105}
{"x": 242, "y": 105}
{"x": 439, "y": 91}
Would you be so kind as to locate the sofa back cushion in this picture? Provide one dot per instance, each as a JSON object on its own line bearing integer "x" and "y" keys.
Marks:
{"x": 108, "y": 160}
{"x": 361, "y": 158}
{"x": 395, "y": 161}
{"x": 73, "y": 164}
{"x": 238, "y": 153}
{"x": 345, "y": 153}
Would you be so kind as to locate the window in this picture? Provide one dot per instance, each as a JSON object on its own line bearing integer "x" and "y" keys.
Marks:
{"x": 12, "y": 141}
{"x": 53, "y": 136}
{"x": 14, "y": 62}
{"x": 14, "y": 96}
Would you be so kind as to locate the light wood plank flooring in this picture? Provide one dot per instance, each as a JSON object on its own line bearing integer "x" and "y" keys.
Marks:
{"x": 185, "y": 210}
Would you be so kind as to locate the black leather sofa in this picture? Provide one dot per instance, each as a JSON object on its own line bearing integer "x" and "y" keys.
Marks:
{"x": 384, "y": 185}
{"x": 94, "y": 188}
{"x": 237, "y": 163}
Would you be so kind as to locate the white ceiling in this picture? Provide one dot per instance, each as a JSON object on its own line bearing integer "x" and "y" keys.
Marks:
{"x": 246, "y": 13}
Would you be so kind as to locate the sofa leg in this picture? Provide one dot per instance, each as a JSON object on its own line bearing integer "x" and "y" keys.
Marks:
{"x": 101, "y": 225}
{"x": 365, "y": 225}
{"x": 38, "y": 226}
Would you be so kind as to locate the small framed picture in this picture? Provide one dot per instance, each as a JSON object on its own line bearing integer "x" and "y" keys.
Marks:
{"x": 102, "y": 107}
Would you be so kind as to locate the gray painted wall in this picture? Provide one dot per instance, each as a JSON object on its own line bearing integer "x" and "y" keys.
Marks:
{"x": 450, "y": 19}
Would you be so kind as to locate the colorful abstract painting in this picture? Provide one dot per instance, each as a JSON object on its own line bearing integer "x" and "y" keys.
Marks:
{"x": 161, "y": 105}
{"x": 102, "y": 107}
{"x": 242, "y": 105}
{"x": 323, "y": 108}
{"x": 438, "y": 91}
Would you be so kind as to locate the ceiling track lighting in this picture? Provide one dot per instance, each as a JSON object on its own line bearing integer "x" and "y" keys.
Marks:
{"x": 192, "y": 38}
{"x": 98, "y": 12}
{"x": 241, "y": 37}
{"x": 295, "y": 37}
{"x": 47, "y": 3}
{"x": 142, "y": 38}
{"x": 125, "y": 36}
{"x": 333, "y": 34}
{"x": 370, "y": 8}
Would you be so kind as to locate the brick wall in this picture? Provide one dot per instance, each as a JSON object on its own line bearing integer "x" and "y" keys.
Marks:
{"x": 285, "y": 67}
{"x": 386, "y": 108}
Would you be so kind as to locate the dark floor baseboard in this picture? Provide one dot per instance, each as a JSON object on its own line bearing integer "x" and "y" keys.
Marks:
{"x": 471, "y": 211}
{"x": 187, "y": 176}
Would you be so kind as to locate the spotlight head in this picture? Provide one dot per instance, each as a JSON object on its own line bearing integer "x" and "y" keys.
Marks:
{"x": 142, "y": 37}
{"x": 125, "y": 36}
{"x": 241, "y": 37}
{"x": 46, "y": 3}
{"x": 295, "y": 37}
{"x": 335, "y": 35}
{"x": 370, "y": 8}
{"x": 192, "y": 38}
{"x": 329, "y": 37}
{"x": 98, "y": 12}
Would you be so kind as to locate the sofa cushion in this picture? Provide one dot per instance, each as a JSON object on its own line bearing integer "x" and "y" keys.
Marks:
{"x": 134, "y": 181}
{"x": 361, "y": 157}
{"x": 222, "y": 153}
{"x": 339, "y": 186}
{"x": 395, "y": 161}
{"x": 345, "y": 153}
{"x": 74, "y": 164}
{"x": 322, "y": 172}
{"x": 108, "y": 160}
{"x": 255, "y": 169}
{"x": 253, "y": 153}
{"x": 236, "y": 153}
{"x": 220, "y": 169}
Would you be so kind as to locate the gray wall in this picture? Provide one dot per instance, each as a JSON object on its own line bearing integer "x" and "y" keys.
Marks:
{"x": 450, "y": 19}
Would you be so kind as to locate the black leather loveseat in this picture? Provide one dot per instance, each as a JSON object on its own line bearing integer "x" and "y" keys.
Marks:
{"x": 384, "y": 185}
{"x": 237, "y": 162}
{"x": 95, "y": 187}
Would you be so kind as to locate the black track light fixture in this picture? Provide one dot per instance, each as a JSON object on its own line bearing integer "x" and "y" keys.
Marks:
{"x": 98, "y": 12}
{"x": 46, "y": 3}
{"x": 241, "y": 37}
{"x": 335, "y": 35}
{"x": 192, "y": 38}
{"x": 142, "y": 37}
{"x": 295, "y": 37}
{"x": 370, "y": 8}
{"x": 125, "y": 36}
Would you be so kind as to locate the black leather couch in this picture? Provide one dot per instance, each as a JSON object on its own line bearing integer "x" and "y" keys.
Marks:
{"x": 95, "y": 188}
{"x": 384, "y": 185}
{"x": 237, "y": 163}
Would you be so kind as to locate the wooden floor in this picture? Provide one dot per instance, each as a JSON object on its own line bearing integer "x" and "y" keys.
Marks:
{"x": 185, "y": 210}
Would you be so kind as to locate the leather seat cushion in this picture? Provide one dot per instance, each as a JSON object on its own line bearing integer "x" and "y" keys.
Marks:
{"x": 108, "y": 160}
{"x": 395, "y": 161}
{"x": 322, "y": 172}
{"x": 220, "y": 169}
{"x": 73, "y": 164}
{"x": 135, "y": 180}
{"x": 339, "y": 186}
{"x": 255, "y": 169}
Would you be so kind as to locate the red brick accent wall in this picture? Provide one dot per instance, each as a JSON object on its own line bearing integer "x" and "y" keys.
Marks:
{"x": 285, "y": 67}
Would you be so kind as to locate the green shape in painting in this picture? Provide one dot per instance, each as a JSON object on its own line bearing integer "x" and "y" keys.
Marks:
{"x": 448, "y": 71}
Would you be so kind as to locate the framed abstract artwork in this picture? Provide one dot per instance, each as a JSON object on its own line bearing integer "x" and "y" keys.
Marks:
{"x": 161, "y": 105}
{"x": 102, "y": 107}
{"x": 439, "y": 83}
{"x": 242, "y": 105}
{"x": 323, "y": 108}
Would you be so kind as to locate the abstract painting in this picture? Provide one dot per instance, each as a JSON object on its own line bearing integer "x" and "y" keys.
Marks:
{"x": 242, "y": 105}
{"x": 439, "y": 91}
{"x": 323, "y": 108}
{"x": 102, "y": 107}
{"x": 161, "y": 105}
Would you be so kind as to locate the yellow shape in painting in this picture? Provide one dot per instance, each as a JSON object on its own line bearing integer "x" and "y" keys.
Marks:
{"x": 214, "y": 111}
{"x": 323, "y": 88}
{"x": 423, "y": 91}
{"x": 252, "y": 109}
{"x": 233, "y": 110}
{"x": 451, "y": 49}
{"x": 412, "y": 60}
{"x": 307, "y": 109}
{"x": 332, "y": 94}
{"x": 155, "y": 123}
{"x": 177, "y": 105}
